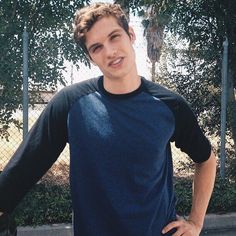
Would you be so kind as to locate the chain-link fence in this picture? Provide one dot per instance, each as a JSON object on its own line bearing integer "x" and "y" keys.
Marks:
{"x": 61, "y": 168}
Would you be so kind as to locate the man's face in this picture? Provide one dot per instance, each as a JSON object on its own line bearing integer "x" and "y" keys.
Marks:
{"x": 110, "y": 48}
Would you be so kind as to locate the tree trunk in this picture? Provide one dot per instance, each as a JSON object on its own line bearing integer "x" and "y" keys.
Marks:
{"x": 153, "y": 71}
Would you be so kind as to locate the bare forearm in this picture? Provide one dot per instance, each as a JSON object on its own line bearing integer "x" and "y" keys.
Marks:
{"x": 204, "y": 179}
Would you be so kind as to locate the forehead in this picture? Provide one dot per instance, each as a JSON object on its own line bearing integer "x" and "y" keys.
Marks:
{"x": 101, "y": 30}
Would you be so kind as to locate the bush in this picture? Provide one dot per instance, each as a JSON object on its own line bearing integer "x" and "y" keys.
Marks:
{"x": 222, "y": 200}
{"x": 224, "y": 196}
{"x": 183, "y": 189}
{"x": 50, "y": 203}
{"x": 45, "y": 204}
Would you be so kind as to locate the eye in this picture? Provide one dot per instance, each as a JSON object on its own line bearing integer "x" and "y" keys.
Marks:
{"x": 115, "y": 36}
{"x": 96, "y": 48}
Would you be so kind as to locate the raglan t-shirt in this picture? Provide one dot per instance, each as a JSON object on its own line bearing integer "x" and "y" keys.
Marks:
{"x": 120, "y": 156}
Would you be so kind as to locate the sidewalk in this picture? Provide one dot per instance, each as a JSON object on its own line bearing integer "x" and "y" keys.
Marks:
{"x": 220, "y": 225}
{"x": 46, "y": 230}
{"x": 219, "y": 222}
{"x": 213, "y": 223}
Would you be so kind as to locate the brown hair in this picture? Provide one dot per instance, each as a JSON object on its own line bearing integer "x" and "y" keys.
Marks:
{"x": 86, "y": 17}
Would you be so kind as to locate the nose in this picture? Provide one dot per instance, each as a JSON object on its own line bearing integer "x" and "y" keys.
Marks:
{"x": 111, "y": 51}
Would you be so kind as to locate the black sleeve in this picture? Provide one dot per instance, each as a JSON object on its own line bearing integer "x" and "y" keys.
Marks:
{"x": 188, "y": 136}
{"x": 36, "y": 154}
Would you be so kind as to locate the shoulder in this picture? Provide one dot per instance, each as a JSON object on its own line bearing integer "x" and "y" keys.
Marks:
{"x": 81, "y": 88}
{"x": 172, "y": 99}
{"x": 69, "y": 94}
{"x": 61, "y": 103}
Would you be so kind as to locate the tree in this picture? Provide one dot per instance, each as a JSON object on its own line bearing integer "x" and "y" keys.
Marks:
{"x": 202, "y": 25}
{"x": 154, "y": 34}
{"x": 49, "y": 23}
{"x": 156, "y": 17}
{"x": 205, "y": 24}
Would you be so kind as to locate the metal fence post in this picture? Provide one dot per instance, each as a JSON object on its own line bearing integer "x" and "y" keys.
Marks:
{"x": 224, "y": 106}
{"x": 25, "y": 83}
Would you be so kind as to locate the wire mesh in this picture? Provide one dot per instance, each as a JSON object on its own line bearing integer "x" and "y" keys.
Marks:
{"x": 60, "y": 170}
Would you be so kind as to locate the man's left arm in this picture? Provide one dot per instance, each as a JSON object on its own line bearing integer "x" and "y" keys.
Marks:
{"x": 203, "y": 184}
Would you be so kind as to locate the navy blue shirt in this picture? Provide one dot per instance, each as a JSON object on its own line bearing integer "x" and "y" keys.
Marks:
{"x": 120, "y": 157}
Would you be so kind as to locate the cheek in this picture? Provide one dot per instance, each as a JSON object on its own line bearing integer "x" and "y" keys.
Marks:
{"x": 100, "y": 63}
{"x": 132, "y": 53}
{"x": 95, "y": 60}
{"x": 129, "y": 47}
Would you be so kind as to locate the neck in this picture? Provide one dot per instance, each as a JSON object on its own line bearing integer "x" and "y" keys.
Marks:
{"x": 121, "y": 85}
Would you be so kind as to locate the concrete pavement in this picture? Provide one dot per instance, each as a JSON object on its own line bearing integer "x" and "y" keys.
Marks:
{"x": 224, "y": 221}
{"x": 220, "y": 225}
{"x": 46, "y": 230}
{"x": 215, "y": 225}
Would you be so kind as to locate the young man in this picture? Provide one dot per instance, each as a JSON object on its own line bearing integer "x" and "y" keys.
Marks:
{"x": 119, "y": 127}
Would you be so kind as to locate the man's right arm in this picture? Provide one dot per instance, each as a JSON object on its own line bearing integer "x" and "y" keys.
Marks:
{"x": 7, "y": 225}
{"x": 35, "y": 155}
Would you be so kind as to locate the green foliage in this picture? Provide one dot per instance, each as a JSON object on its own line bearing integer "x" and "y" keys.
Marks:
{"x": 183, "y": 188}
{"x": 185, "y": 71}
{"x": 222, "y": 200}
{"x": 230, "y": 165}
{"x": 195, "y": 56}
{"x": 49, "y": 24}
{"x": 45, "y": 204}
{"x": 195, "y": 68}
{"x": 49, "y": 203}
{"x": 196, "y": 63}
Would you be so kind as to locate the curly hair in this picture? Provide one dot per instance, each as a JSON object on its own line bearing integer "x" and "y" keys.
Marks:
{"x": 86, "y": 17}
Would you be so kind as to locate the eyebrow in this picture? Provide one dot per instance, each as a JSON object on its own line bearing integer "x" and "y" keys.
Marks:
{"x": 93, "y": 46}
{"x": 96, "y": 44}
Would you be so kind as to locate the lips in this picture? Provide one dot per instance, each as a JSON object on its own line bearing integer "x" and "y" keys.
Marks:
{"x": 116, "y": 62}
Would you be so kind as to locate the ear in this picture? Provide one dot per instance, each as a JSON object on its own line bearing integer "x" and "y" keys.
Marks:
{"x": 132, "y": 34}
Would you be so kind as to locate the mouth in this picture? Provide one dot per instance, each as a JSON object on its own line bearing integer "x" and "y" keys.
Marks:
{"x": 117, "y": 62}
